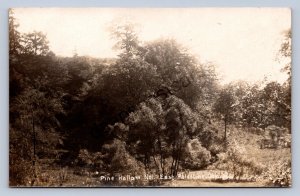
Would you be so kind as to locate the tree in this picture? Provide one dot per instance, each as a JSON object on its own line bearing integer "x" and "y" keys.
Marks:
{"x": 35, "y": 43}
{"x": 285, "y": 56}
{"x": 145, "y": 134}
{"x": 36, "y": 80}
{"x": 277, "y": 105}
{"x": 181, "y": 72}
{"x": 145, "y": 99}
{"x": 158, "y": 133}
{"x": 14, "y": 34}
{"x": 34, "y": 132}
{"x": 127, "y": 39}
{"x": 254, "y": 109}
{"x": 224, "y": 106}
{"x": 285, "y": 53}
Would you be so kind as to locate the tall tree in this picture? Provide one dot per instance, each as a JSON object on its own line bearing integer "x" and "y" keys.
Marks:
{"x": 285, "y": 53}
{"x": 124, "y": 32}
{"x": 14, "y": 34}
{"x": 35, "y": 43}
{"x": 225, "y": 106}
{"x": 158, "y": 132}
{"x": 181, "y": 72}
{"x": 285, "y": 56}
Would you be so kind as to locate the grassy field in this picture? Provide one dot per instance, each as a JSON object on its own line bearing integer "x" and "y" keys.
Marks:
{"x": 266, "y": 156}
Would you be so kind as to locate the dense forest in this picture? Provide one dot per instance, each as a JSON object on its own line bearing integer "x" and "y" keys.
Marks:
{"x": 154, "y": 112}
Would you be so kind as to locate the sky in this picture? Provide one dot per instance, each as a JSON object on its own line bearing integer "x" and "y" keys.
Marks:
{"x": 241, "y": 42}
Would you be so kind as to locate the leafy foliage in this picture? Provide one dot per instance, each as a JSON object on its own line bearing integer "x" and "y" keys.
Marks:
{"x": 279, "y": 175}
{"x": 34, "y": 43}
{"x": 197, "y": 156}
{"x": 235, "y": 161}
{"x": 119, "y": 160}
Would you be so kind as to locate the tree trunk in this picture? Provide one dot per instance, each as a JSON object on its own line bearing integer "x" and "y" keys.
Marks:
{"x": 34, "y": 139}
{"x": 225, "y": 133}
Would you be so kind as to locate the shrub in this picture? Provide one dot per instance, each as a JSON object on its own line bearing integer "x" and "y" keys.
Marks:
{"x": 86, "y": 158}
{"x": 235, "y": 162}
{"x": 119, "y": 161}
{"x": 279, "y": 175}
{"x": 211, "y": 139}
{"x": 196, "y": 156}
{"x": 216, "y": 149}
{"x": 21, "y": 172}
{"x": 21, "y": 167}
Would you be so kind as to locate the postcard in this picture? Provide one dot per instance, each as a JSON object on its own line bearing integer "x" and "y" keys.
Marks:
{"x": 150, "y": 97}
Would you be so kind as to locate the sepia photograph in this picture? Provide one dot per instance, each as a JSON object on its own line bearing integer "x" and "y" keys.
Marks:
{"x": 150, "y": 97}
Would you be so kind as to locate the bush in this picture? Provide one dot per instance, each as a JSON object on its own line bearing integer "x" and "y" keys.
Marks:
{"x": 216, "y": 149}
{"x": 86, "y": 158}
{"x": 119, "y": 161}
{"x": 21, "y": 169}
{"x": 279, "y": 175}
{"x": 236, "y": 163}
{"x": 21, "y": 172}
{"x": 196, "y": 156}
{"x": 211, "y": 139}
